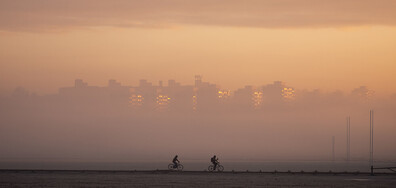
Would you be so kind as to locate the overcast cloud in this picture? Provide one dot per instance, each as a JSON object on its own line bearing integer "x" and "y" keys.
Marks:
{"x": 65, "y": 14}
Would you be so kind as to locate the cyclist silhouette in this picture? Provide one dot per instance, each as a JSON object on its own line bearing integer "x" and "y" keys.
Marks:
{"x": 175, "y": 161}
{"x": 215, "y": 161}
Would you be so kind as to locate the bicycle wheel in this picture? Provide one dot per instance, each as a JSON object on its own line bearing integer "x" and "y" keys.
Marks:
{"x": 170, "y": 166}
{"x": 210, "y": 168}
{"x": 220, "y": 168}
{"x": 180, "y": 167}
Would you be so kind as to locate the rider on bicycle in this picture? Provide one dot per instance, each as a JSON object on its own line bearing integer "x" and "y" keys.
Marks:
{"x": 215, "y": 161}
{"x": 175, "y": 161}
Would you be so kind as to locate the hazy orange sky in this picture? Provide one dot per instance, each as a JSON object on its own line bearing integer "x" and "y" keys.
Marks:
{"x": 309, "y": 44}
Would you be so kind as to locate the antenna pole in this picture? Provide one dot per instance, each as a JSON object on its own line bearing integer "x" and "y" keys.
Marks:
{"x": 348, "y": 138}
{"x": 333, "y": 148}
{"x": 371, "y": 140}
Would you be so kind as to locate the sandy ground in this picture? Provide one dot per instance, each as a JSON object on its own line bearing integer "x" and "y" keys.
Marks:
{"x": 18, "y": 178}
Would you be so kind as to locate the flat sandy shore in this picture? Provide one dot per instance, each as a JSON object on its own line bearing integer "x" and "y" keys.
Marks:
{"x": 80, "y": 178}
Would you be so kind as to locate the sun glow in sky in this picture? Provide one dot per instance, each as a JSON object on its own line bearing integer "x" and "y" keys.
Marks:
{"x": 339, "y": 49}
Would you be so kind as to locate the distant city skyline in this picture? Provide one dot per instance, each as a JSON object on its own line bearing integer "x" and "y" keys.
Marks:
{"x": 172, "y": 81}
{"x": 202, "y": 96}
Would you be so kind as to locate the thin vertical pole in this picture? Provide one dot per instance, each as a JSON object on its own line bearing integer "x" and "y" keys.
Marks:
{"x": 348, "y": 138}
{"x": 347, "y": 144}
{"x": 371, "y": 138}
{"x": 333, "y": 148}
{"x": 372, "y": 141}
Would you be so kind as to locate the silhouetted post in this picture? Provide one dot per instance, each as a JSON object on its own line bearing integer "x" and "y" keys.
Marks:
{"x": 348, "y": 138}
{"x": 372, "y": 137}
{"x": 333, "y": 149}
{"x": 372, "y": 141}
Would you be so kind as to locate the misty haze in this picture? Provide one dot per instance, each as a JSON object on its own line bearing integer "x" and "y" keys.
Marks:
{"x": 152, "y": 122}
{"x": 224, "y": 93}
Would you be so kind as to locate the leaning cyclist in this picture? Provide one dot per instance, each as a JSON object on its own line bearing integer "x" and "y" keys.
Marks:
{"x": 215, "y": 161}
{"x": 175, "y": 161}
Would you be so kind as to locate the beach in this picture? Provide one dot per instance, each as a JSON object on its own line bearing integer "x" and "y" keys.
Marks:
{"x": 164, "y": 178}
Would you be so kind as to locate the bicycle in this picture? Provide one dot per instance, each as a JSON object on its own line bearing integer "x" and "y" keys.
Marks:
{"x": 219, "y": 168}
{"x": 178, "y": 167}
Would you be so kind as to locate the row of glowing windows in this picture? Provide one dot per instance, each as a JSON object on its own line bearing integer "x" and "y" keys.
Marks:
{"x": 287, "y": 93}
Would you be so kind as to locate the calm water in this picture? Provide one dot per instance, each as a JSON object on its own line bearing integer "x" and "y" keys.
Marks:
{"x": 351, "y": 166}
